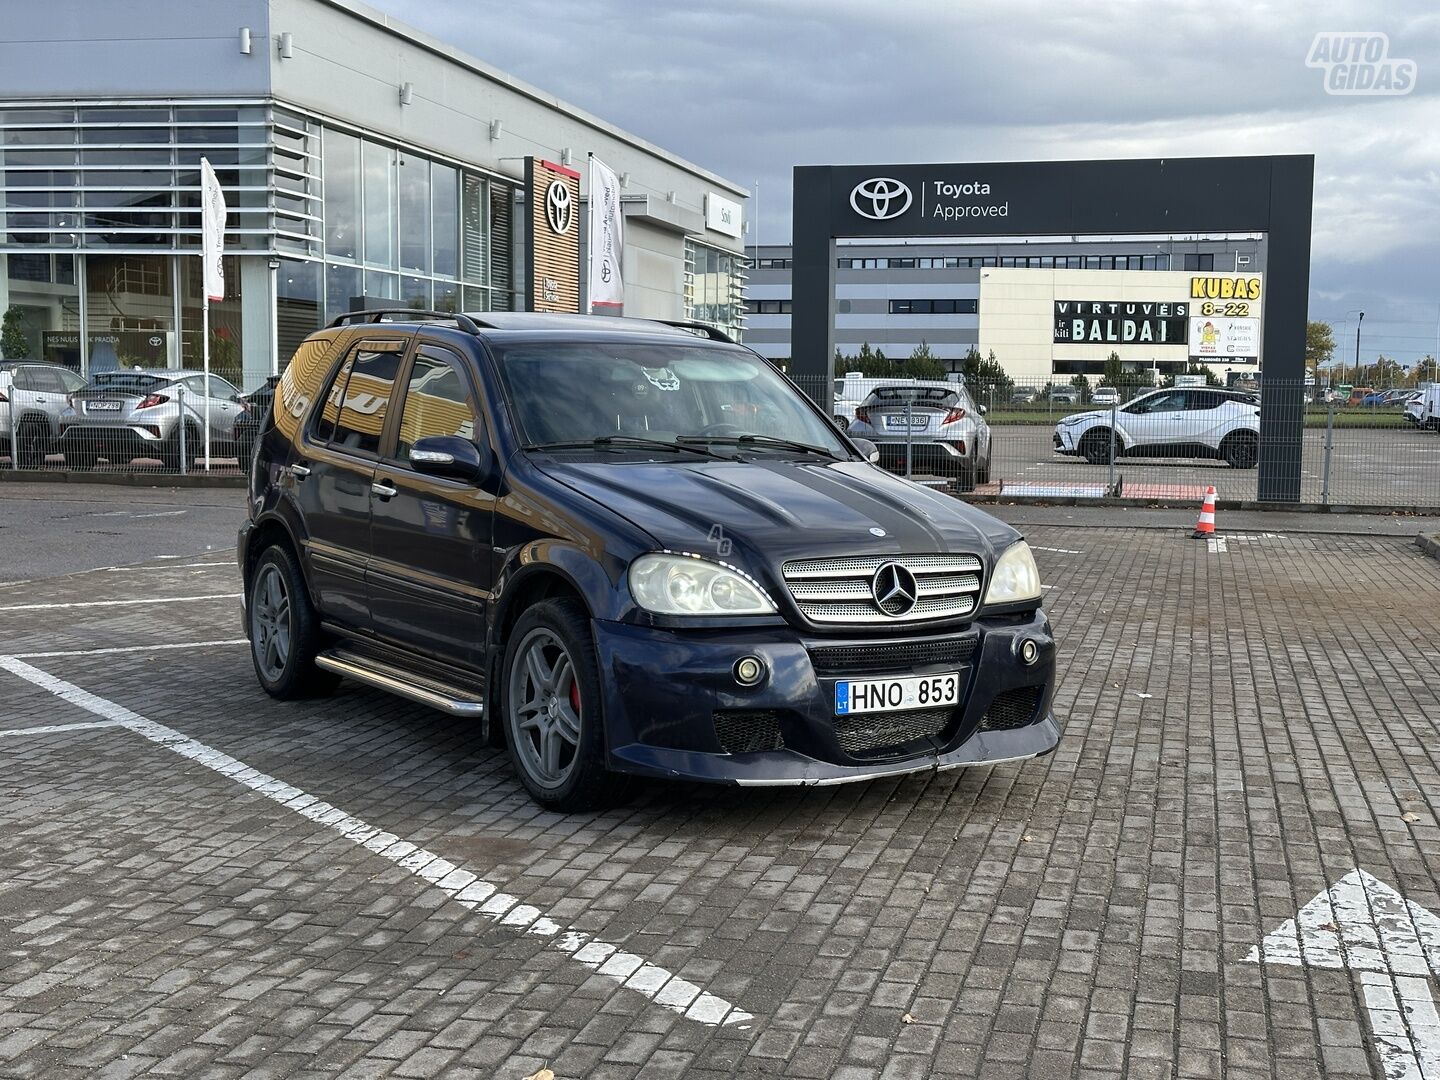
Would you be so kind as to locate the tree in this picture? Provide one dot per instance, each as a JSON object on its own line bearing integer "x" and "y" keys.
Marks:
{"x": 1113, "y": 374}
{"x": 1082, "y": 384}
{"x": 1211, "y": 379}
{"x": 13, "y": 342}
{"x": 1319, "y": 345}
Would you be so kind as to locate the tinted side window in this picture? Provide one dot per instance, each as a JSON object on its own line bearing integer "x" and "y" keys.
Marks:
{"x": 437, "y": 402}
{"x": 24, "y": 379}
{"x": 1204, "y": 399}
{"x": 368, "y": 388}
{"x": 334, "y": 395}
{"x": 46, "y": 381}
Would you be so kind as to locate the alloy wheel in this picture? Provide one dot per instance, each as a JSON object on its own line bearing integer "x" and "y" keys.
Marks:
{"x": 270, "y": 623}
{"x": 544, "y": 707}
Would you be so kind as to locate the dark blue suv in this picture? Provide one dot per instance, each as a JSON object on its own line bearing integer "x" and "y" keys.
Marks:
{"x": 628, "y": 548}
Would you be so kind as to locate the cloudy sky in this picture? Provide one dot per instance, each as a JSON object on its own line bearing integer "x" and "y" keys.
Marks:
{"x": 749, "y": 88}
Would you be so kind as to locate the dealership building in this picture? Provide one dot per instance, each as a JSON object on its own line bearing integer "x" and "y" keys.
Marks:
{"x": 363, "y": 163}
{"x": 1049, "y": 308}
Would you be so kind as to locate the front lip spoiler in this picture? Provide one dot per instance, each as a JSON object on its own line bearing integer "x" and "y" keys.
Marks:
{"x": 785, "y": 768}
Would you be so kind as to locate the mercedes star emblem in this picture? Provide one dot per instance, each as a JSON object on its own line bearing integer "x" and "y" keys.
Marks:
{"x": 880, "y": 198}
{"x": 557, "y": 206}
{"x": 895, "y": 589}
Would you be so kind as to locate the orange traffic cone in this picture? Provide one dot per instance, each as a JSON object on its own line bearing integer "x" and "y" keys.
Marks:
{"x": 1205, "y": 527}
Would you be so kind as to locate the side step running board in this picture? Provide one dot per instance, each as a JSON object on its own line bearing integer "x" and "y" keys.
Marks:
{"x": 382, "y": 676}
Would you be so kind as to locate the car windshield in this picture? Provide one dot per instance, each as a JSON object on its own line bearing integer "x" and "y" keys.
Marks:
{"x": 126, "y": 380}
{"x": 582, "y": 391}
{"x": 897, "y": 397}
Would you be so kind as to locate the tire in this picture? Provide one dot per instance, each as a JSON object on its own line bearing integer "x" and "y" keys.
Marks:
{"x": 1240, "y": 450}
{"x": 284, "y": 630}
{"x": 983, "y": 476}
{"x": 1095, "y": 447}
{"x": 551, "y": 704}
{"x": 170, "y": 451}
{"x": 30, "y": 445}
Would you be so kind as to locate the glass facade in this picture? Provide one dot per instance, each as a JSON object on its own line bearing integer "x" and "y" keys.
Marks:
{"x": 102, "y": 226}
{"x": 715, "y": 288}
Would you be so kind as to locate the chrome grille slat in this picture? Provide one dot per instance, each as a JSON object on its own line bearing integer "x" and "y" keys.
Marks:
{"x": 838, "y": 590}
{"x": 865, "y": 565}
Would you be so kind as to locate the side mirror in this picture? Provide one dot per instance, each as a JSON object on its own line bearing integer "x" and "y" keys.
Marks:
{"x": 868, "y": 449}
{"x": 449, "y": 456}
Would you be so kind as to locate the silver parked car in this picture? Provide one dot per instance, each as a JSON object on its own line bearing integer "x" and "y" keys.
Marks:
{"x": 128, "y": 414}
{"x": 944, "y": 428}
{"x": 33, "y": 396}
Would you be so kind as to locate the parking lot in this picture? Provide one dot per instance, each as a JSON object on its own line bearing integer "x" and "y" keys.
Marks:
{"x": 198, "y": 881}
{"x": 1369, "y": 466}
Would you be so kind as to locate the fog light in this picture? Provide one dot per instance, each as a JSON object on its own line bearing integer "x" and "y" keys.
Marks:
{"x": 749, "y": 670}
{"x": 1029, "y": 651}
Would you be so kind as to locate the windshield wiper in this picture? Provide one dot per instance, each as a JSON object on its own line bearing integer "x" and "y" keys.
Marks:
{"x": 762, "y": 440}
{"x": 638, "y": 441}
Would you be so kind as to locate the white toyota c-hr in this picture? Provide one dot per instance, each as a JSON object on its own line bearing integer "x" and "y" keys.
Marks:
{"x": 1199, "y": 422}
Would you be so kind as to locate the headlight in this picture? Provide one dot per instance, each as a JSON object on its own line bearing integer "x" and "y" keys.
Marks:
{"x": 1016, "y": 578}
{"x": 689, "y": 585}
{"x": 1068, "y": 420}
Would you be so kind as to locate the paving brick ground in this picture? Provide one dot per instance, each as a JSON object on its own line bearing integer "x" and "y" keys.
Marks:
{"x": 1242, "y": 729}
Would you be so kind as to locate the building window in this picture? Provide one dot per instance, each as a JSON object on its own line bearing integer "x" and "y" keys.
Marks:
{"x": 414, "y": 217}
{"x": 772, "y": 264}
{"x": 342, "y": 195}
{"x": 1204, "y": 261}
{"x": 714, "y": 288}
{"x": 768, "y": 307}
{"x": 379, "y": 170}
{"x": 934, "y": 307}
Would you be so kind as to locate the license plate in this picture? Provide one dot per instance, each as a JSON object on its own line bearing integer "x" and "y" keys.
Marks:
{"x": 854, "y": 696}
{"x": 899, "y": 421}
{"x": 103, "y": 406}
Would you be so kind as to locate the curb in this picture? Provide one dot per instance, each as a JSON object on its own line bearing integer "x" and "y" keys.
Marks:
{"x": 155, "y": 480}
{"x": 1429, "y": 543}
{"x": 1188, "y": 504}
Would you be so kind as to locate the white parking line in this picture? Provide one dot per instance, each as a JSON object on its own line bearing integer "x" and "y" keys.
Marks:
{"x": 121, "y": 603}
{"x": 1057, "y": 551}
{"x": 1216, "y": 544}
{"x": 130, "y": 649}
{"x": 50, "y": 729}
{"x": 633, "y": 972}
{"x": 167, "y": 566}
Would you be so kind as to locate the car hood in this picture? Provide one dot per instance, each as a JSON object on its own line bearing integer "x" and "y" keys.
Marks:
{"x": 760, "y": 513}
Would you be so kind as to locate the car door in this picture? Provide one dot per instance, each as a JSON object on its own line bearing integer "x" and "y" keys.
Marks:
{"x": 335, "y": 470}
{"x": 431, "y": 571}
{"x": 1209, "y": 416}
{"x": 1152, "y": 420}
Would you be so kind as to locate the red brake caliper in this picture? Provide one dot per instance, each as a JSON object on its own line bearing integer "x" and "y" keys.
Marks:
{"x": 575, "y": 697}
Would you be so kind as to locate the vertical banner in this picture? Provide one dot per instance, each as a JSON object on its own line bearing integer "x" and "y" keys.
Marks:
{"x": 552, "y": 234}
{"x": 212, "y": 231}
{"x": 605, "y": 242}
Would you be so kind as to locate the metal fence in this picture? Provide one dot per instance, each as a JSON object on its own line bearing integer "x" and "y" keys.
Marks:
{"x": 1060, "y": 440}
{"x": 1041, "y": 439}
{"x": 169, "y": 428}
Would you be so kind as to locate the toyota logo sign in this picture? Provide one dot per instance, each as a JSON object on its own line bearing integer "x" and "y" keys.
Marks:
{"x": 880, "y": 198}
{"x": 558, "y": 206}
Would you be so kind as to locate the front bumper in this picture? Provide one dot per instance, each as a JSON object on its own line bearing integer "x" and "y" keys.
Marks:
{"x": 668, "y": 692}
{"x": 1066, "y": 441}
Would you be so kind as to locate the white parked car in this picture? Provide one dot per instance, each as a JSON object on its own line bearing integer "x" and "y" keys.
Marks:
{"x": 1106, "y": 396}
{"x": 937, "y": 424}
{"x": 1423, "y": 409}
{"x": 1185, "y": 422}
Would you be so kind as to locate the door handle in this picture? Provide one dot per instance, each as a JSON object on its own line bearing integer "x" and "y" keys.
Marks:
{"x": 299, "y": 471}
{"x": 383, "y": 490}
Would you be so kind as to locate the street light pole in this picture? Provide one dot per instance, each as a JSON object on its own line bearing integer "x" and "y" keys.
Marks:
{"x": 1359, "y": 323}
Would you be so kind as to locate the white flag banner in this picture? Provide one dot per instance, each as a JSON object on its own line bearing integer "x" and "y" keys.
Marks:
{"x": 212, "y": 231}
{"x": 605, "y": 239}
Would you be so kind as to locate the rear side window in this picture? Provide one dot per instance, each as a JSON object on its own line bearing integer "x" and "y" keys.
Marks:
{"x": 353, "y": 416}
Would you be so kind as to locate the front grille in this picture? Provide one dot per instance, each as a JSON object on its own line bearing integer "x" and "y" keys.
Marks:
{"x": 748, "y": 731}
{"x": 843, "y": 661}
{"x": 1012, "y": 709}
{"x": 861, "y": 736}
{"x": 840, "y": 590}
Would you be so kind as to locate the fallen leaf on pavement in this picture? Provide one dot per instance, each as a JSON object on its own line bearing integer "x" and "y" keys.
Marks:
{"x": 907, "y": 1019}
{"x": 1410, "y": 816}
{"x": 543, "y": 1074}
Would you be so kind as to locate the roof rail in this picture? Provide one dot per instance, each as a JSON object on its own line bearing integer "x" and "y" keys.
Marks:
{"x": 698, "y": 327}
{"x": 375, "y": 315}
